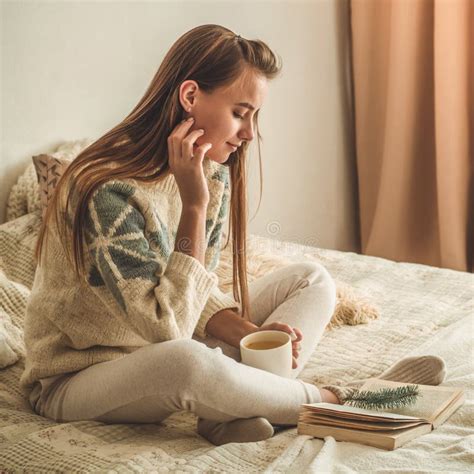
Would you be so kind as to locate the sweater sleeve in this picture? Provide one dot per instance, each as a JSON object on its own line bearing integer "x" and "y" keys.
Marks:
{"x": 217, "y": 300}
{"x": 159, "y": 300}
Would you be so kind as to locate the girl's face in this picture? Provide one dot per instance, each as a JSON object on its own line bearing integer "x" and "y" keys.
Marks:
{"x": 222, "y": 115}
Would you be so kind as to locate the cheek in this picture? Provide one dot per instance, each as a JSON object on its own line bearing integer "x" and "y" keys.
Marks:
{"x": 217, "y": 135}
{"x": 220, "y": 125}
{"x": 218, "y": 129}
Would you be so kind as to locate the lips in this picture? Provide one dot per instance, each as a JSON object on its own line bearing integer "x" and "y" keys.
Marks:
{"x": 233, "y": 146}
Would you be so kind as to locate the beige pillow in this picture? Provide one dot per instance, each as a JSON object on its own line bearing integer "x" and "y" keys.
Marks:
{"x": 24, "y": 195}
{"x": 18, "y": 239}
{"x": 49, "y": 170}
{"x": 13, "y": 299}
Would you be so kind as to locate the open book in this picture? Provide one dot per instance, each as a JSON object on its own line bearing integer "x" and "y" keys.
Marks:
{"x": 387, "y": 428}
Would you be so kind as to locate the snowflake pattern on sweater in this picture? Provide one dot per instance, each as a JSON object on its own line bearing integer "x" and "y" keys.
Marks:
{"x": 115, "y": 234}
{"x": 116, "y": 241}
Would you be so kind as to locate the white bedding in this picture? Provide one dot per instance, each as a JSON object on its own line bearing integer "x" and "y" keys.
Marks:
{"x": 423, "y": 310}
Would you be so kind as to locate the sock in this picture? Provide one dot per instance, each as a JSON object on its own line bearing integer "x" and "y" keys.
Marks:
{"x": 424, "y": 370}
{"x": 240, "y": 430}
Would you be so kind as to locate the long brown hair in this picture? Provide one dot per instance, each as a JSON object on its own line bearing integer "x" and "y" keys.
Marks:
{"x": 214, "y": 57}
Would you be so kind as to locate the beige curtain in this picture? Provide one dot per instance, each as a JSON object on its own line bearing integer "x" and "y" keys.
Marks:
{"x": 413, "y": 79}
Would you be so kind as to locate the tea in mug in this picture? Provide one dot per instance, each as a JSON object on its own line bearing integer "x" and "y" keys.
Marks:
{"x": 262, "y": 345}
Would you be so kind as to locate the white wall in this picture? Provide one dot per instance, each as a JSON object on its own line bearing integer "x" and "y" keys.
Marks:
{"x": 75, "y": 69}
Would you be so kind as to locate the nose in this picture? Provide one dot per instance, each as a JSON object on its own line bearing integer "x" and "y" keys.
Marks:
{"x": 246, "y": 133}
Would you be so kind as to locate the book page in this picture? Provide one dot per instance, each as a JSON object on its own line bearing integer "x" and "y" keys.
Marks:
{"x": 431, "y": 400}
{"x": 355, "y": 413}
{"x": 356, "y": 424}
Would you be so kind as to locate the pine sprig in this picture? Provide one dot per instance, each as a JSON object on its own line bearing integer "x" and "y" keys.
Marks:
{"x": 384, "y": 398}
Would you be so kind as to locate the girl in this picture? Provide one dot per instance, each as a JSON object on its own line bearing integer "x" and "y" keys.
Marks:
{"x": 126, "y": 323}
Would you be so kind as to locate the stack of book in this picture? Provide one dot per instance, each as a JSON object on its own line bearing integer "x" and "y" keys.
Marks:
{"x": 387, "y": 428}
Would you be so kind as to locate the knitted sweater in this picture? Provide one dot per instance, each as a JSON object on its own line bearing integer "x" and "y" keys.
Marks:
{"x": 138, "y": 290}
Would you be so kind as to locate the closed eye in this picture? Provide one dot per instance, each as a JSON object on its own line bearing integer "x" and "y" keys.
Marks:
{"x": 237, "y": 115}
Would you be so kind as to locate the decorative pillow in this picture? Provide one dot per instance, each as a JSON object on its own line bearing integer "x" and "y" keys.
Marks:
{"x": 49, "y": 170}
{"x": 24, "y": 195}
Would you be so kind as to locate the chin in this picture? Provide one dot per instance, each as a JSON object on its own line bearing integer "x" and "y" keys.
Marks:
{"x": 219, "y": 159}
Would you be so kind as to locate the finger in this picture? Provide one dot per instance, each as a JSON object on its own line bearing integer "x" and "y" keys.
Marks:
{"x": 182, "y": 128}
{"x": 296, "y": 354}
{"x": 296, "y": 346}
{"x": 178, "y": 133}
{"x": 268, "y": 327}
{"x": 200, "y": 151}
{"x": 187, "y": 149}
{"x": 299, "y": 334}
{"x": 283, "y": 327}
{"x": 295, "y": 364}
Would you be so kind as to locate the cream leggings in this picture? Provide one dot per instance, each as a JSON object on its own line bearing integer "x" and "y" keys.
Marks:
{"x": 203, "y": 376}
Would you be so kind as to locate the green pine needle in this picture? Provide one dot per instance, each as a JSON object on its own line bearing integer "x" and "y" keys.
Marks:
{"x": 384, "y": 398}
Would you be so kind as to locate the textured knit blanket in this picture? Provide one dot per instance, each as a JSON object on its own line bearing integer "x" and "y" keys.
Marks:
{"x": 423, "y": 310}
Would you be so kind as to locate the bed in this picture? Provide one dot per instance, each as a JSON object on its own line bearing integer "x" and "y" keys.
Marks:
{"x": 421, "y": 310}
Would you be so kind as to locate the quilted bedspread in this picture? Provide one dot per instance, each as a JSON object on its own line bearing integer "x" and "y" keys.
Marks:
{"x": 423, "y": 310}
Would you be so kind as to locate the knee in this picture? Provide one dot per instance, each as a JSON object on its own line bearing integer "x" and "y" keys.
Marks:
{"x": 185, "y": 351}
{"x": 318, "y": 276}
{"x": 315, "y": 273}
{"x": 191, "y": 361}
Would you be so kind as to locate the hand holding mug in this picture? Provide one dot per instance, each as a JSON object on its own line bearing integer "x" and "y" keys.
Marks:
{"x": 296, "y": 346}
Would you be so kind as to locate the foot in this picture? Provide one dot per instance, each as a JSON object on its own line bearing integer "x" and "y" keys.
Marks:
{"x": 424, "y": 370}
{"x": 240, "y": 430}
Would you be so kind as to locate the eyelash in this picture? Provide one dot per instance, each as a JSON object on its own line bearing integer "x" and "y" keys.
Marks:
{"x": 239, "y": 116}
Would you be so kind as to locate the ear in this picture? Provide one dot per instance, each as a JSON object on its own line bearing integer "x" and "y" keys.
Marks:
{"x": 187, "y": 94}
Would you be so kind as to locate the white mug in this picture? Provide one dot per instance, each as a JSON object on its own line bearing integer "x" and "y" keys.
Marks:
{"x": 278, "y": 360}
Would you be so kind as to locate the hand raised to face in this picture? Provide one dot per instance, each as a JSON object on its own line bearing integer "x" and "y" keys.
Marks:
{"x": 185, "y": 162}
